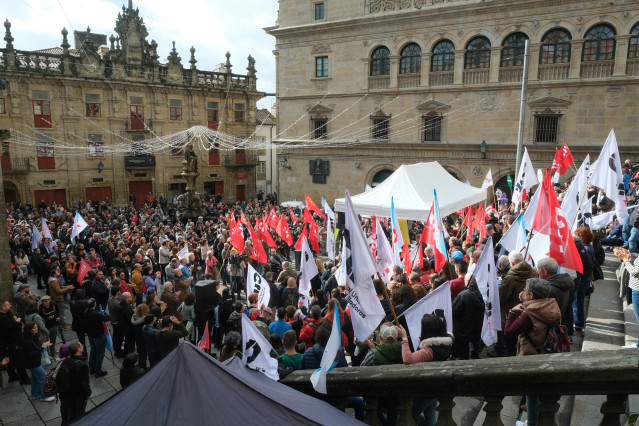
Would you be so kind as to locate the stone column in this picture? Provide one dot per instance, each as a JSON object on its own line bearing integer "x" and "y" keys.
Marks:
{"x": 576, "y": 47}
{"x": 425, "y": 68}
{"x": 621, "y": 55}
{"x": 394, "y": 71}
{"x": 533, "y": 71}
{"x": 6, "y": 282}
{"x": 458, "y": 76}
{"x": 495, "y": 62}
{"x": 366, "y": 66}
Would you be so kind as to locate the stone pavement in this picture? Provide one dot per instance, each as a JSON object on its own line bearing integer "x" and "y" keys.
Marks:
{"x": 610, "y": 324}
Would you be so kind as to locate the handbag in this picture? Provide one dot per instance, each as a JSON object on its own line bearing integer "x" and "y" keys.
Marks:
{"x": 45, "y": 356}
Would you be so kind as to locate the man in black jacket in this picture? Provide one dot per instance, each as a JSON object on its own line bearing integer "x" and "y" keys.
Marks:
{"x": 468, "y": 318}
{"x": 100, "y": 289}
{"x": 73, "y": 384}
{"x": 95, "y": 330}
{"x": 124, "y": 321}
{"x": 11, "y": 343}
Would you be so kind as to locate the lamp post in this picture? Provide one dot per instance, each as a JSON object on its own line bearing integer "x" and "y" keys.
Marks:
{"x": 284, "y": 163}
{"x": 482, "y": 148}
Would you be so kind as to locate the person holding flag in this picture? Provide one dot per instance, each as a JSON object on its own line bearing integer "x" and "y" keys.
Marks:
{"x": 79, "y": 224}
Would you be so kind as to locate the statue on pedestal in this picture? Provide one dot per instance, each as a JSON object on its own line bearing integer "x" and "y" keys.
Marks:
{"x": 190, "y": 205}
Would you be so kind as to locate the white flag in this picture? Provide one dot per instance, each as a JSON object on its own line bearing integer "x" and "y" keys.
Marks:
{"x": 436, "y": 302}
{"x": 255, "y": 283}
{"x": 257, "y": 350}
{"x": 308, "y": 271}
{"x": 584, "y": 215}
{"x": 184, "y": 252}
{"x": 398, "y": 239}
{"x": 515, "y": 238}
{"x": 78, "y": 225}
{"x": 340, "y": 274}
{"x": 602, "y": 220}
{"x": 486, "y": 276}
{"x": 526, "y": 178}
{"x": 488, "y": 180}
{"x": 576, "y": 192}
{"x": 331, "y": 352}
{"x": 367, "y": 188}
{"x": 366, "y": 309}
{"x": 384, "y": 253}
{"x": 327, "y": 209}
{"x": 35, "y": 238}
{"x": 607, "y": 175}
{"x": 529, "y": 214}
{"x": 46, "y": 233}
{"x": 330, "y": 239}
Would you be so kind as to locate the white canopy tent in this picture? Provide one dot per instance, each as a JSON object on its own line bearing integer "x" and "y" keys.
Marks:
{"x": 412, "y": 187}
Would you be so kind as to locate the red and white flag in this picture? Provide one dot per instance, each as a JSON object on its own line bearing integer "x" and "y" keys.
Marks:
{"x": 283, "y": 231}
{"x": 84, "y": 269}
{"x": 258, "y": 252}
{"x": 291, "y": 214}
{"x": 562, "y": 161}
{"x": 313, "y": 207}
{"x": 298, "y": 244}
{"x": 383, "y": 254}
{"x": 273, "y": 219}
{"x": 433, "y": 235}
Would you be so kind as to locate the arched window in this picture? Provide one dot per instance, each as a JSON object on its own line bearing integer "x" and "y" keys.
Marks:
{"x": 380, "y": 62}
{"x": 599, "y": 44}
{"x": 477, "y": 53}
{"x": 512, "y": 52}
{"x": 380, "y": 177}
{"x": 443, "y": 56}
{"x": 633, "y": 46}
{"x": 411, "y": 59}
{"x": 555, "y": 47}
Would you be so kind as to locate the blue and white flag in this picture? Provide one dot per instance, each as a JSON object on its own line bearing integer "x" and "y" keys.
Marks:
{"x": 329, "y": 358}
{"x": 183, "y": 253}
{"x": 398, "y": 239}
{"x": 107, "y": 334}
{"x": 35, "y": 238}
{"x": 256, "y": 353}
{"x": 78, "y": 225}
{"x": 367, "y": 188}
{"x": 515, "y": 238}
{"x": 46, "y": 233}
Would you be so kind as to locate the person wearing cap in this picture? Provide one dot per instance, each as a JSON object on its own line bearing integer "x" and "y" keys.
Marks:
{"x": 51, "y": 316}
{"x": 389, "y": 350}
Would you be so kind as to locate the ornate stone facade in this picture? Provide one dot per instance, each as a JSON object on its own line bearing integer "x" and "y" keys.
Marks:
{"x": 447, "y": 75}
{"x": 94, "y": 96}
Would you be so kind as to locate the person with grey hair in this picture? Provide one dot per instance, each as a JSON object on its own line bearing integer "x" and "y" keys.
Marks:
{"x": 503, "y": 265}
{"x": 561, "y": 287}
{"x": 529, "y": 323}
{"x": 511, "y": 286}
{"x": 231, "y": 348}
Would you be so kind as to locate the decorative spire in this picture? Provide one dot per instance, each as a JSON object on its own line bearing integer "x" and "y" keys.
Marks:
{"x": 228, "y": 65}
{"x": 193, "y": 61}
{"x": 88, "y": 41}
{"x": 65, "y": 42}
{"x": 154, "y": 52}
{"x": 173, "y": 57}
{"x": 7, "y": 35}
{"x": 130, "y": 4}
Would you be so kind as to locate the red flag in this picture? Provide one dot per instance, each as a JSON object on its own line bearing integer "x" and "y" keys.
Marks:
{"x": 479, "y": 222}
{"x": 258, "y": 250}
{"x": 134, "y": 219}
{"x": 549, "y": 220}
{"x": 283, "y": 231}
{"x": 308, "y": 217}
{"x": 313, "y": 237}
{"x": 419, "y": 259}
{"x": 429, "y": 237}
{"x": 298, "y": 244}
{"x": 563, "y": 160}
{"x": 205, "y": 343}
{"x": 83, "y": 270}
{"x": 243, "y": 218}
{"x": 490, "y": 209}
{"x": 273, "y": 219}
{"x": 313, "y": 207}
{"x": 237, "y": 236}
{"x": 291, "y": 214}
{"x": 406, "y": 257}
{"x": 374, "y": 238}
{"x": 264, "y": 234}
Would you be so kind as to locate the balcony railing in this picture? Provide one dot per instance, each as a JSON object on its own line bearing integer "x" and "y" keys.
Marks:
{"x": 510, "y": 74}
{"x": 12, "y": 165}
{"x": 378, "y": 82}
{"x": 441, "y": 78}
{"x": 139, "y": 161}
{"x": 632, "y": 67}
{"x": 138, "y": 125}
{"x": 553, "y": 71}
{"x": 476, "y": 76}
{"x": 240, "y": 160}
{"x": 611, "y": 373}
{"x": 599, "y": 69}
{"x": 409, "y": 80}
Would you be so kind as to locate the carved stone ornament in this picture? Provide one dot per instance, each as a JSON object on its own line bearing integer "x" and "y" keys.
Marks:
{"x": 535, "y": 24}
{"x": 624, "y": 15}
{"x": 487, "y": 101}
{"x": 478, "y": 171}
{"x": 549, "y": 102}
{"x": 432, "y": 105}
{"x": 319, "y": 48}
{"x": 614, "y": 95}
{"x": 321, "y": 85}
{"x": 319, "y": 169}
{"x": 318, "y": 109}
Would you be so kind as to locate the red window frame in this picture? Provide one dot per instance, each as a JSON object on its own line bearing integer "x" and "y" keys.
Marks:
{"x": 137, "y": 117}
{"x": 42, "y": 113}
{"x": 239, "y": 113}
{"x": 175, "y": 113}
{"x": 240, "y": 156}
{"x": 6, "y": 156}
{"x": 46, "y": 155}
{"x": 213, "y": 119}
{"x": 214, "y": 155}
{"x": 93, "y": 109}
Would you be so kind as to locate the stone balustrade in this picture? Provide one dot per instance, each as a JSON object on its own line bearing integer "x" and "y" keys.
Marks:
{"x": 632, "y": 67}
{"x": 378, "y": 82}
{"x": 474, "y": 76}
{"x": 553, "y": 71}
{"x": 441, "y": 78}
{"x": 409, "y": 80}
{"x": 511, "y": 74}
{"x": 598, "y": 69}
{"x": 611, "y": 373}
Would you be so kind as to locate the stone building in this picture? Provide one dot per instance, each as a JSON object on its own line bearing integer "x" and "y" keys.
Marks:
{"x": 426, "y": 80}
{"x": 74, "y": 104}
{"x": 266, "y": 172}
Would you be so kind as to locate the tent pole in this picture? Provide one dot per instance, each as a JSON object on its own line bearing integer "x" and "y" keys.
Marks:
{"x": 522, "y": 107}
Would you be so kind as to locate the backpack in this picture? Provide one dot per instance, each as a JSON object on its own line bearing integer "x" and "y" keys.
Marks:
{"x": 49, "y": 388}
{"x": 63, "y": 378}
{"x": 292, "y": 298}
{"x": 557, "y": 340}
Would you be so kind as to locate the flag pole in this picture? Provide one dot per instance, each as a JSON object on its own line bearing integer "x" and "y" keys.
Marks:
{"x": 388, "y": 298}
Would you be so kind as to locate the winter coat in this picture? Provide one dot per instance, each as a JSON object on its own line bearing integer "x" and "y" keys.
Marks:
{"x": 431, "y": 349}
{"x": 511, "y": 285}
{"x": 313, "y": 356}
{"x": 130, "y": 375}
{"x": 78, "y": 307}
{"x": 56, "y": 289}
{"x": 560, "y": 287}
{"x": 93, "y": 322}
{"x": 388, "y": 353}
{"x": 32, "y": 351}
{"x": 468, "y": 314}
{"x": 533, "y": 324}
{"x": 10, "y": 330}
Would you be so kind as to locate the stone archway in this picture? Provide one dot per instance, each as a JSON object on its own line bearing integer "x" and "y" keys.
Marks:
{"x": 379, "y": 173}
{"x": 11, "y": 193}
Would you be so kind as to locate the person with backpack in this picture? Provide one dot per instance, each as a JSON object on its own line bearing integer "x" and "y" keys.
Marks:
{"x": 234, "y": 323}
{"x": 468, "y": 315}
{"x": 530, "y": 322}
{"x": 291, "y": 294}
{"x": 73, "y": 384}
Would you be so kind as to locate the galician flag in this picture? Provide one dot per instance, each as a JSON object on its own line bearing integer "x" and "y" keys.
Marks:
{"x": 488, "y": 180}
{"x": 398, "y": 240}
{"x": 331, "y": 352}
{"x": 78, "y": 225}
{"x": 433, "y": 235}
{"x": 46, "y": 233}
{"x": 36, "y": 237}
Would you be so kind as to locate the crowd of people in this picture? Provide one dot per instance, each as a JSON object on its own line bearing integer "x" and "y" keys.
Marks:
{"x": 139, "y": 285}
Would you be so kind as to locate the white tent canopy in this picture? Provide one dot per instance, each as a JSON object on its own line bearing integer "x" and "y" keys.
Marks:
{"x": 412, "y": 188}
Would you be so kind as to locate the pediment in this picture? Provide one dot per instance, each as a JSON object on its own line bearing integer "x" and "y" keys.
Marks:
{"x": 432, "y": 106}
{"x": 319, "y": 109}
{"x": 549, "y": 101}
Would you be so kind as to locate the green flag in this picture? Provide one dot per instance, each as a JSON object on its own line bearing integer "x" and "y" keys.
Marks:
{"x": 510, "y": 181}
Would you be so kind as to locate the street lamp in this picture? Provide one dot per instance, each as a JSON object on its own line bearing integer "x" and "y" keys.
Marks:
{"x": 284, "y": 163}
{"x": 482, "y": 148}
{"x": 100, "y": 167}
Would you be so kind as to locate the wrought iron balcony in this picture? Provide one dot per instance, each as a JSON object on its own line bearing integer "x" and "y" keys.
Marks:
{"x": 139, "y": 161}
{"x": 15, "y": 165}
{"x": 240, "y": 160}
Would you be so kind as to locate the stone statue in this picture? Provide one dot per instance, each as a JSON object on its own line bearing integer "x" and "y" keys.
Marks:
{"x": 190, "y": 205}
{"x": 191, "y": 159}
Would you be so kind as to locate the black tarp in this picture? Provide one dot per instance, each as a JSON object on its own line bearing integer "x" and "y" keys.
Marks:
{"x": 189, "y": 387}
